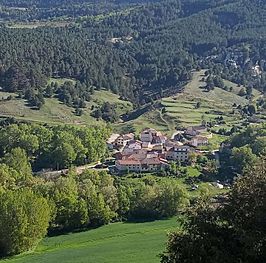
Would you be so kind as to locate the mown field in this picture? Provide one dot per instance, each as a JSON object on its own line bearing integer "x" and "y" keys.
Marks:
{"x": 114, "y": 243}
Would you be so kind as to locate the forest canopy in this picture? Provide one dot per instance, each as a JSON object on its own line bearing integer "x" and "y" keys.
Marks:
{"x": 141, "y": 50}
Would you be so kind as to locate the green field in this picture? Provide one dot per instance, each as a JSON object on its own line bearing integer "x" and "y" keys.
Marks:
{"x": 114, "y": 243}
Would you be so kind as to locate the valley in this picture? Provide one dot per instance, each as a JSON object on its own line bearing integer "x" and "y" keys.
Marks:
{"x": 132, "y": 131}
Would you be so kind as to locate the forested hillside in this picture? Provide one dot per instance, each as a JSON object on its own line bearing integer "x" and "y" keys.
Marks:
{"x": 142, "y": 50}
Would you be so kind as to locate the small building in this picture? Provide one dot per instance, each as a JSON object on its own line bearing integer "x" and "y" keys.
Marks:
{"x": 172, "y": 143}
{"x": 152, "y": 136}
{"x": 158, "y": 148}
{"x": 128, "y": 165}
{"x": 122, "y": 140}
{"x": 111, "y": 141}
{"x": 147, "y": 135}
{"x": 198, "y": 141}
{"x": 159, "y": 139}
{"x": 132, "y": 146}
{"x": 179, "y": 153}
{"x": 195, "y": 130}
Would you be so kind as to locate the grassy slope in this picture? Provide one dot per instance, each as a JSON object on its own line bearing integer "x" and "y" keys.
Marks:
{"x": 114, "y": 243}
{"x": 56, "y": 112}
{"x": 181, "y": 111}
{"x": 236, "y": 88}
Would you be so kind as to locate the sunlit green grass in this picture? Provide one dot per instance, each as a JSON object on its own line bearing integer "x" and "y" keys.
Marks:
{"x": 118, "y": 242}
{"x": 54, "y": 111}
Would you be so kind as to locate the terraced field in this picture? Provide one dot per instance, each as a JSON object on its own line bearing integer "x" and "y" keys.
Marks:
{"x": 181, "y": 111}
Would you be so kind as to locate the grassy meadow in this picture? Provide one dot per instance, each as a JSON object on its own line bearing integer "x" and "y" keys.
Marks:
{"x": 54, "y": 111}
{"x": 114, "y": 243}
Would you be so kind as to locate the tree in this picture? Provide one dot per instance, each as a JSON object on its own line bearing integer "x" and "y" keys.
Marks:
{"x": 19, "y": 161}
{"x": 251, "y": 109}
{"x": 259, "y": 146}
{"x": 63, "y": 155}
{"x": 242, "y": 92}
{"x": 232, "y": 232}
{"x": 242, "y": 158}
{"x": 71, "y": 212}
{"x": 218, "y": 82}
{"x": 24, "y": 221}
{"x": 9, "y": 178}
{"x": 198, "y": 105}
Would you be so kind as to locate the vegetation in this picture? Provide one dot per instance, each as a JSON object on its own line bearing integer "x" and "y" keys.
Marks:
{"x": 126, "y": 52}
{"x": 24, "y": 220}
{"x": 212, "y": 234}
{"x": 132, "y": 64}
{"x": 52, "y": 147}
{"x": 244, "y": 150}
{"x": 180, "y": 110}
{"x": 104, "y": 244}
{"x": 54, "y": 112}
{"x": 65, "y": 203}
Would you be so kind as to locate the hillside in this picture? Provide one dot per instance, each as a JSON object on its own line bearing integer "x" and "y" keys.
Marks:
{"x": 53, "y": 111}
{"x": 180, "y": 110}
{"x": 114, "y": 243}
{"x": 141, "y": 50}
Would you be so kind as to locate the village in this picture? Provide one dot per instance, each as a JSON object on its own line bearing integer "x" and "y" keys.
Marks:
{"x": 153, "y": 151}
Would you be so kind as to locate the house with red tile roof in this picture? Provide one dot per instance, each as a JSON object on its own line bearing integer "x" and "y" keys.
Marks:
{"x": 147, "y": 164}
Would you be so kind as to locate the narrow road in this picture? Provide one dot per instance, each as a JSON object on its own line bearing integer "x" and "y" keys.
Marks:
{"x": 79, "y": 170}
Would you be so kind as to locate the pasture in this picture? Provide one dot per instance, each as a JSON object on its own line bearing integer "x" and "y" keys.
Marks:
{"x": 114, "y": 243}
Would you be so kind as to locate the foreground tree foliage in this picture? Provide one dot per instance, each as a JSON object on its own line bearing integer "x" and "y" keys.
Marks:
{"x": 32, "y": 206}
{"x": 24, "y": 220}
{"x": 232, "y": 232}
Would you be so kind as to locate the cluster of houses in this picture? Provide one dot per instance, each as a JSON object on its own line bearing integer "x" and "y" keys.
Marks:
{"x": 153, "y": 151}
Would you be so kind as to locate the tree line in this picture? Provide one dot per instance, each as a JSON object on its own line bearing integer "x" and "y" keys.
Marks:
{"x": 31, "y": 206}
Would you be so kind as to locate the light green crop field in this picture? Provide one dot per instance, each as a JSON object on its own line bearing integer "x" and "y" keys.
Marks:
{"x": 114, "y": 243}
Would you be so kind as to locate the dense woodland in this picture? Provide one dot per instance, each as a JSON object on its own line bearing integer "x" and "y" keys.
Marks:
{"x": 142, "y": 51}
{"x": 54, "y": 147}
